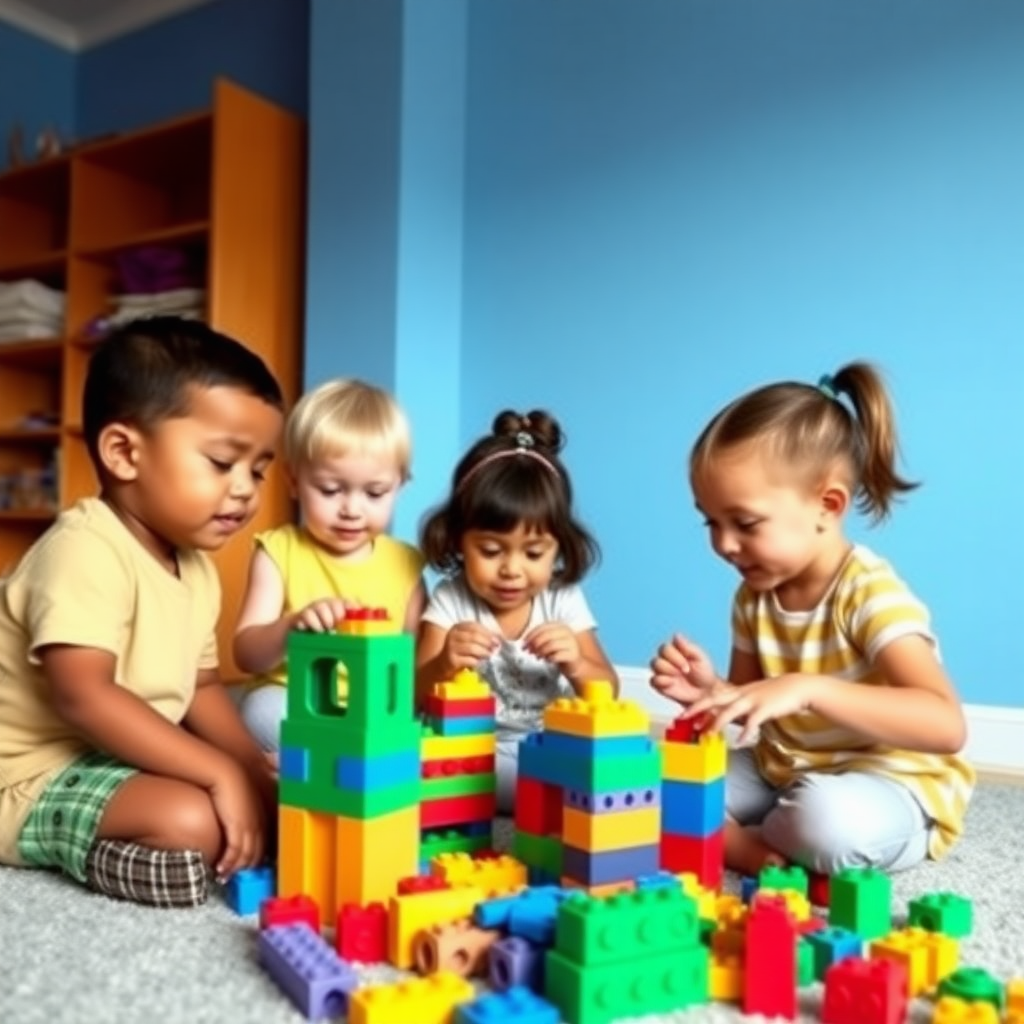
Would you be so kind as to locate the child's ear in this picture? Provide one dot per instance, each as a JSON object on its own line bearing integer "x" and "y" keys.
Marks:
{"x": 835, "y": 500}
{"x": 119, "y": 446}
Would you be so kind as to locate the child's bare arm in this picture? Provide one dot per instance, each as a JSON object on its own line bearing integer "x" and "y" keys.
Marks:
{"x": 440, "y": 652}
{"x": 578, "y": 655}
{"x": 261, "y": 635}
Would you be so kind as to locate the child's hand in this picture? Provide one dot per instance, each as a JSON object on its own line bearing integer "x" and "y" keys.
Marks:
{"x": 683, "y": 672}
{"x": 469, "y": 643}
{"x": 237, "y": 805}
{"x": 323, "y": 615}
{"x": 554, "y": 642}
{"x": 755, "y": 703}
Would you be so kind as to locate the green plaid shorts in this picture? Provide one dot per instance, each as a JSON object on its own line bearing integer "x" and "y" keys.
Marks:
{"x": 61, "y": 828}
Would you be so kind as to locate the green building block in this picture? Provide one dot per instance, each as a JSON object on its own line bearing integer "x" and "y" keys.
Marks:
{"x": 626, "y": 988}
{"x": 648, "y": 922}
{"x": 330, "y": 738}
{"x": 433, "y": 844}
{"x": 861, "y": 901}
{"x": 541, "y": 852}
{"x": 380, "y": 678}
{"x": 804, "y": 963}
{"x": 944, "y": 912}
{"x": 458, "y": 785}
{"x": 973, "y": 985}
{"x": 316, "y": 795}
{"x": 777, "y": 877}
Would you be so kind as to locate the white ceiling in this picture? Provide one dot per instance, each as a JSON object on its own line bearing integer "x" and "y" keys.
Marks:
{"x": 79, "y": 24}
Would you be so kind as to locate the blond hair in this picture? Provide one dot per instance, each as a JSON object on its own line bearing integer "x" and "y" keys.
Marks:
{"x": 811, "y": 429}
{"x": 342, "y": 416}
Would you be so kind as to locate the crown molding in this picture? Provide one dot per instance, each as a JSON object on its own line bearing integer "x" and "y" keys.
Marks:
{"x": 35, "y": 23}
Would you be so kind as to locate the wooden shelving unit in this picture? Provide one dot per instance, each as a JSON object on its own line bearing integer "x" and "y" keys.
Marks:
{"x": 227, "y": 184}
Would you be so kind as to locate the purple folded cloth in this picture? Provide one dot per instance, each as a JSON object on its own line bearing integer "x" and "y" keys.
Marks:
{"x": 149, "y": 269}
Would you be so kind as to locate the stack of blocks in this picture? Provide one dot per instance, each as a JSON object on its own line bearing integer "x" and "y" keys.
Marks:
{"x": 458, "y": 749}
{"x": 588, "y": 794}
{"x": 349, "y": 773}
{"x": 693, "y": 802}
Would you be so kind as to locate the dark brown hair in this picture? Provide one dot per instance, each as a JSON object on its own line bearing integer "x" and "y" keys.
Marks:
{"x": 812, "y": 429}
{"x": 512, "y": 476}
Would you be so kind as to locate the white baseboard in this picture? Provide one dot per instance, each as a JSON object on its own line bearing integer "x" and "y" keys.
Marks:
{"x": 995, "y": 735}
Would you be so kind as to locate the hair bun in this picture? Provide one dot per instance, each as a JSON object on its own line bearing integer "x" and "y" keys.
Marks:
{"x": 541, "y": 426}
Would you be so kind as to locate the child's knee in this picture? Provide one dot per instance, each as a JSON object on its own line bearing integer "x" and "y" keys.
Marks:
{"x": 189, "y": 822}
{"x": 262, "y": 712}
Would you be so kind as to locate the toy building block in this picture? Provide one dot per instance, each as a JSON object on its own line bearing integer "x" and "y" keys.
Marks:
{"x": 547, "y": 757}
{"x": 905, "y": 947}
{"x": 517, "y": 1005}
{"x": 693, "y": 808}
{"x": 246, "y": 889}
{"x": 798, "y": 905}
{"x": 409, "y": 915}
{"x": 367, "y": 622}
{"x": 598, "y": 833}
{"x": 818, "y": 890}
{"x": 453, "y": 767}
{"x": 361, "y": 934}
{"x": 861, "y": 902}
{"x": 307, "y": 969}
{"x": 464, "y": 685}
{"x": 596, "y": 713}
{"x": 779, "y": 878}
{"x": 434, "y": 747}
{"x": 439, "y": 708}
{"x": 703, "y": 761}
{"x": 424, "y": 1000}
{"x": 538, "y": 806}
{"x": 943, "y": 956}
{"x": 944, "y": 912}
{"x": 700, "y": 856}
{"x": 459, "y": 947}
{"x": 770, "y": 967}
{"x": 687, "y": 730}
{"x": 530, "y": 914}
{"x": 865, "y": 992}
{"x": 725, "y": 977}
{"x": 514, "y": 961}
{"x": 830, "y": 945}
{"x": 973, "y": 985}
{"x": 434, "y": 842}
{"x": 541, "y": 853}
{"x": 608, "y": 867}
{"x": 1015, "y": 995}
{"x": 277, "y": 910}
{"x": 456, "y": 810}
{"x": 804, "y": 963}
{"x": 950, "y": 1010}
{"x": 613, "y": 801}
{"x": 494, "y": 875}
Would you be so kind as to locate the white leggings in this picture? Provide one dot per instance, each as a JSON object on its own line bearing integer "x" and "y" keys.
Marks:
{"x": 830, "y": 822}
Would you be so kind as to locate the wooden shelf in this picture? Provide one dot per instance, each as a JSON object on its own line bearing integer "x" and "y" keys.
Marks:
{"x": 27, "y": 515}
{"x": 47, "y": 265}
{"x": 42, "y": 353}
{"x": 29, "y": 435}
{"x": 194, "y": 232}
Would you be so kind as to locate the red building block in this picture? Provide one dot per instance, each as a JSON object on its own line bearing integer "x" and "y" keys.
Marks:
{"x": 818, "y": 890}
{"x": 289, "y": 910}
{"x": 538, "y": 807}
{"x": 420, "y": 883}
{"x": 865, "y": 992}
{"x": 457, "y": 810}
{"x": 444, "y": 707}
{"x": 703, "y": 857}
{"x": 362, "y": 933}
{"x": 448, "y": 767}
{"x": 770, "y": 966}
{"x": 686, "y": 730}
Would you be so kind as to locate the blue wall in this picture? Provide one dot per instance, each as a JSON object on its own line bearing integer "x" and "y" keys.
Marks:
{"x": 168, "y": 68}
{"x": 37, "y": 89}
{"x": 670, "y": 202}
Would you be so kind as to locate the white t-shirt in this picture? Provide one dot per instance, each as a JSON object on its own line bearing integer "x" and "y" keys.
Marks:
{"x": 523, "y": 685}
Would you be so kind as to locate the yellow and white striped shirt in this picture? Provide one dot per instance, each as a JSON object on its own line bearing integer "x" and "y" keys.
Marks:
{"x": 867, "y": 607}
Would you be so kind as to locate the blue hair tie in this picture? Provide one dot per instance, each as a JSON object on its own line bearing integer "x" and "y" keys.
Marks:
{"x": 827, "y": 386}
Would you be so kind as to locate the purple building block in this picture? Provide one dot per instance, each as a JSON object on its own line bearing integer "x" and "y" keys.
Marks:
{"x": 614, "y": 801}
{"x": 311, "y": 974}
{"x": 515, "y": 961}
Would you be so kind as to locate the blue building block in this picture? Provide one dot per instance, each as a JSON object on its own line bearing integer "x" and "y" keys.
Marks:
{"x": 310, "y": 973}
{"x": 516, "y": 1006}
{"x": 377, "y": 771}
{"x": 530, "y": 914}
{"x": 293, "y": 764}
{"x": 468, "y": 726}
{"x": 692, "y": 808}
{"x": 614, "y": 801}
{"x": 658, "y": 880}
{"x": 545, "y": 758}
{"x": 610, "y": 865}
{"x": 247, "y": 889}
{"x": 748, "y": 886}
{"x": 831, "y": 945}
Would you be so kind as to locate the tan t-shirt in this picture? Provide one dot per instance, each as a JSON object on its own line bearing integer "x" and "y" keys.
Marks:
{"x": 88, "y": 582}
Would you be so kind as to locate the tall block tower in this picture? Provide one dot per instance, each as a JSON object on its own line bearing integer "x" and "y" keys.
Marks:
{"x": 349, "y": 792}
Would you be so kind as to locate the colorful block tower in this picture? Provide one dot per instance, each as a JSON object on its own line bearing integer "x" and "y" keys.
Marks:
{"x": 458, "y": 778}
{"x": 588, "y": 807}
{"x": 349, "y": 773}
{"x": 693, "y": 802}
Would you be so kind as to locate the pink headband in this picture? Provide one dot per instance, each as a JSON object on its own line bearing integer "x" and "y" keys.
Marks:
{"x": 524, "y": 446}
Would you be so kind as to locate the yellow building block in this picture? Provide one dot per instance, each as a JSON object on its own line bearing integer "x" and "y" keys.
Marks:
{"x": 943, "y": 955}
{"x": 374, "y": 853}
{"x": 464, "y": 685}
{"x": 367, "y": 627}
{"x": 596, "y": 713}
{"x": 408, "y": 915}
{"x": 707, "y": 899}
{"x": 725, "y": 977}
{"x": 796, "y": 902}
{"x": 496, "y": 876}
{"x": 1014, "y": 1017}
{"x": 305, "y": 857}
{"x": 599, "y": 832}
{"x": 423, "y": 1000}
{"x": 950, "y": 1010}
{"x": 729, "y": 911}
{"x": 703, "y": 761}
{"x": 1015, "y": 995}
{"x": 440, "y": 747}
{"x": 906, "y": 947}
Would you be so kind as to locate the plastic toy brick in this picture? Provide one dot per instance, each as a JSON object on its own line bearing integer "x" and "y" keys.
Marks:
{"x": 305, "y": 857}
{"x": 599, "y": 833}
{"x": 479, "y": 725}
{"x": 409, "y": 915}
{"x": 770, "y": 965}
{"x": 530, "y": 914}
{"x": 517, "y": 1005}
{"x": 1015, "y": 995}
{"x": 861, "y": 901}
{"x": 448, "y": 707}
{"x": 538, "y": 806}
{"x": 907, "y": 947}
{"x": 693, "y": 808}
{"x": 464, "y": 685}
{"x": 973, "y": 985}
{"x": 494, "y": 875}
{"x": 780, "y": 878}
{"x": 626, "y": 988}
{"x": 374, "y": 853}
{"x": 804, "y": 963}
{"x": 748, "y": 886}
{"x": 279, "y": 910}
{"x": 701, "y": 857}
{"x": 452, "y": 840}
{"x": 453, "y": 767}
{"x": 944, "y": 912}
{"x": 725, "y": 977}
{"x": 658, "y": 880}
{"x": 434, "y": 747}
{"x": 381, "y": 771}
{"x": 514, "y": 961}
{"x": 594, "y": 932}
{"x": 539, "y": 759}
{"x": 307, "y": 970}
{"x": 703, "y": 761}
{"x": 614, "y": 801}
{"x": 295, "y": 764}
{"x": 818, "y": 890}
{"x": 567, "y": 745}
{"x": 706, "y": 898}
{"x": 457, "y": 786}
{"x": 459, "y": 947}
{"x": 865, "y": 992}
{"x": 541, "y": 852}
{"x": 830, "y": 945}
{"x": 327, "y": 736}
{"x": 424, "y": 1000}
{"x": 361, "y": 934}
{"x": 245, "y": 890}
{"x": 950, "y": 1010}
{"x": 943, "y": 956}
{"x": 367, "y": 622}
{"x": 596, "y": 713}
{"x": 610, "y": 866}
{"x": 685, "y": 730}
{"x": 455, "y": 810}
{"x": 421, "y": 883}
{"x": 798, "y": 904}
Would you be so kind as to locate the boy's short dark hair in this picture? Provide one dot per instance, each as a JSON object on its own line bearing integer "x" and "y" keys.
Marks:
{"x": 141, "y": 374}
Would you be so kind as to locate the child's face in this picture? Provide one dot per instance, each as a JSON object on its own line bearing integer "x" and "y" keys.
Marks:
{"x": 198, "y": 476}
{"x": 507, "y": 570}
{"x": 348, "y": 500}
{"x": 768, "y": 527}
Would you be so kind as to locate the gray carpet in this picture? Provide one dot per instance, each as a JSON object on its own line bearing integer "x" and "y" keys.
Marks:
{"x": 69, "y": 957}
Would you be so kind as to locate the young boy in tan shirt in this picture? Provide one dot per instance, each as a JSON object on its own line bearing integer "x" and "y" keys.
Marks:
{"x": 123, "y": 761}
